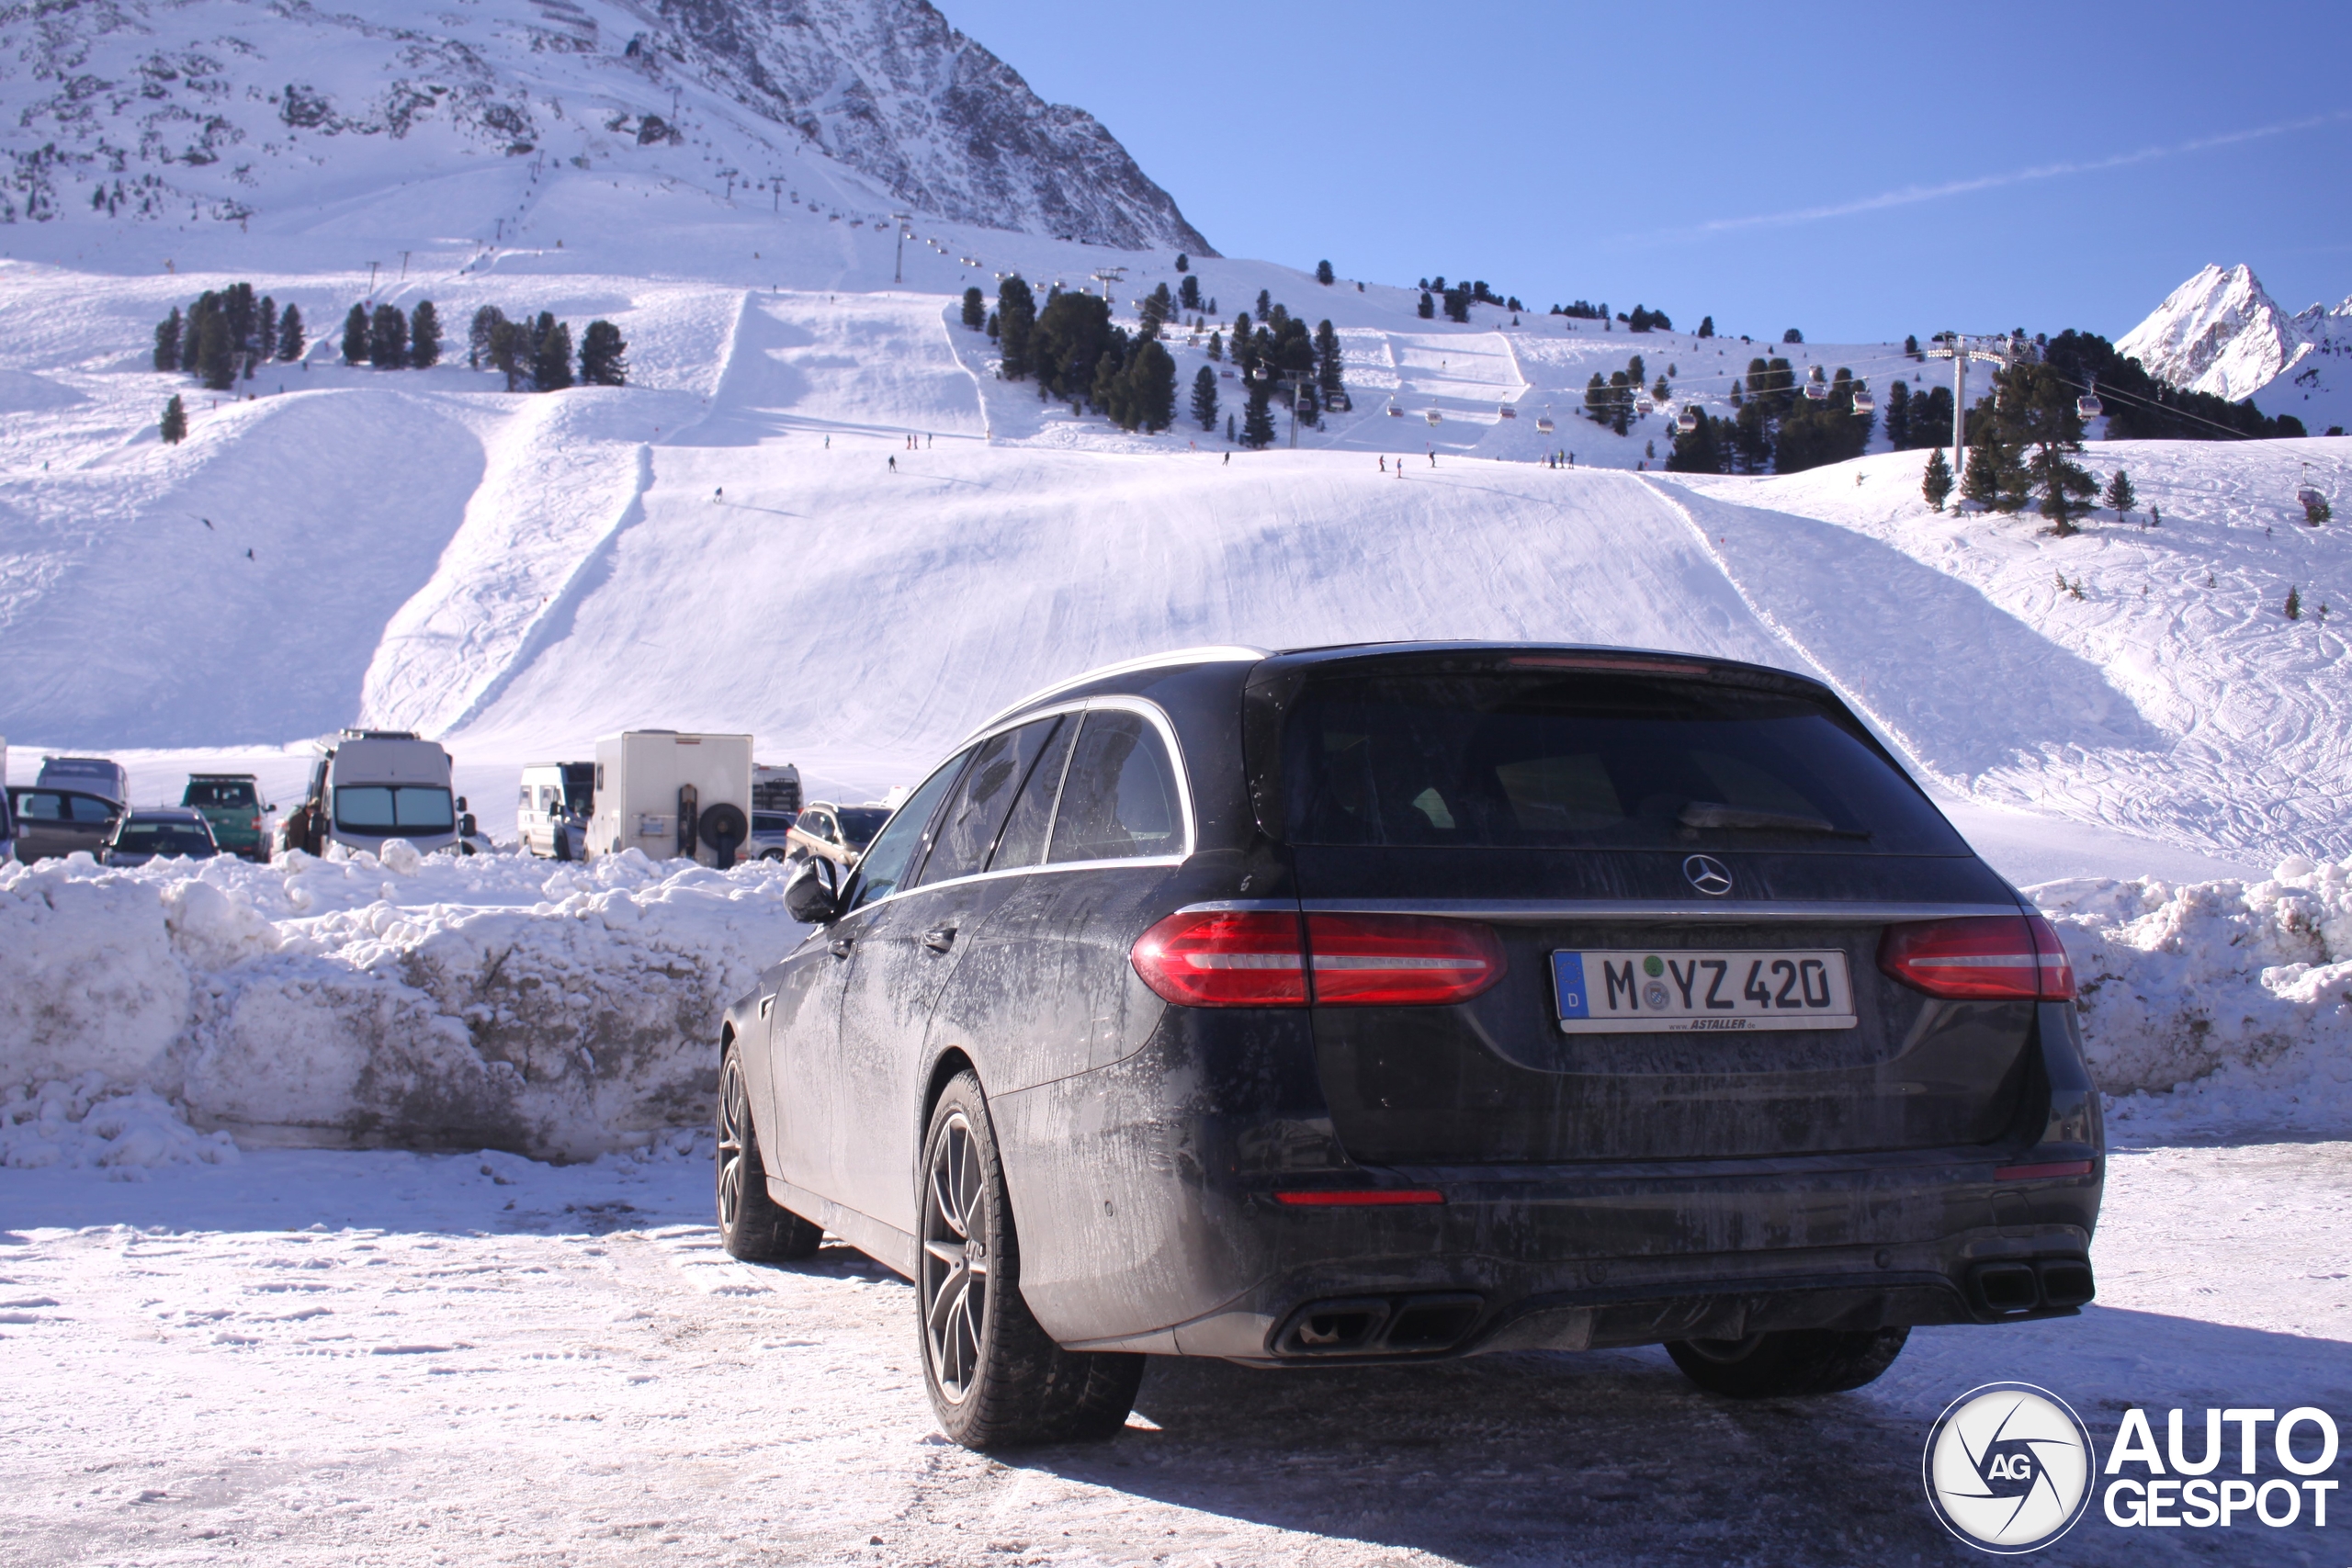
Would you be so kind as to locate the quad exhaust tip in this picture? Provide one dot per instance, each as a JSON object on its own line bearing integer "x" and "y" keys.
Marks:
{"x": 1379, "y": 1326}
{"x": 2044, "y": 1284}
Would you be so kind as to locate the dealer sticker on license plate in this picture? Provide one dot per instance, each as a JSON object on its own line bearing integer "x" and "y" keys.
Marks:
{"x": 1658, "y": 993}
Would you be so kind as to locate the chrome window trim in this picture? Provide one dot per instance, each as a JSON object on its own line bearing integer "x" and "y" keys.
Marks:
{"x": 1530, "y": 911}
{"x": 1150, "y": 712}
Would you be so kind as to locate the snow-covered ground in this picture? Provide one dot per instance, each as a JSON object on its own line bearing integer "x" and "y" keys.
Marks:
{"x": 312, "y": 1358}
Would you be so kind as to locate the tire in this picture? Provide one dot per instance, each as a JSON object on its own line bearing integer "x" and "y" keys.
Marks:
{"x": 772, "y": 854}
{"x": 995, "y": 1379}
{"x": 1791, "y": 1363}
{"x": 751, "y": 1225}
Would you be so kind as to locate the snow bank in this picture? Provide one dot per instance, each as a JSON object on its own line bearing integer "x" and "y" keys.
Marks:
{"x": 81, "y": 1123}
{"x": 415, "y": 1001}
{"x": 2215, "y": 1006}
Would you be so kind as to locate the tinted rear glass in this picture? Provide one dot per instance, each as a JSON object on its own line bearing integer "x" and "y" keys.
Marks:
{"x": 232, "y": 793}
{"x": 1591, "y": 761}
{"x": 163, "y": 839}
{"x": 860, "y": 823}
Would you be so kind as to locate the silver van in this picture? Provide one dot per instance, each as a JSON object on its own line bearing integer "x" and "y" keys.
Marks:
{"x": 374, "y": 784}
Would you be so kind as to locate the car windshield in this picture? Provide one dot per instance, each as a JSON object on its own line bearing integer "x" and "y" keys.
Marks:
{"x": 391, "y": 809}
{"x": 860, "y": 823}
{"x": 137, "y": 838}
{"x": 771, "y": 822}
{"x": 230, "y": 793}
{"x": 1592, "y": 760}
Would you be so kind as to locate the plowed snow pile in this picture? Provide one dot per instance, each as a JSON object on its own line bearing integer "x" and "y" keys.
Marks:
{"x": 416, "y": 1002}
{"x": 563, "y": 1012}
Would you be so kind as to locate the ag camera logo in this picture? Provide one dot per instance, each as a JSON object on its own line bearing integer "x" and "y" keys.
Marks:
{"x": 2008, "y": 1467}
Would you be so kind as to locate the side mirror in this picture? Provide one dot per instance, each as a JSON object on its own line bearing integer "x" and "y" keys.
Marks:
{"x": 810, "y": 896}
{"x": 461, "y": 802}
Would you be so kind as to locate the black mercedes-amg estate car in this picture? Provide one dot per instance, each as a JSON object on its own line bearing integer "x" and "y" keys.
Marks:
{"x": 1392, "y": 1002}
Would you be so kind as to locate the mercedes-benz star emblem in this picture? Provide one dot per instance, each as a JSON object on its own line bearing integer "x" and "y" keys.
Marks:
{"x": 1708, "y": 875}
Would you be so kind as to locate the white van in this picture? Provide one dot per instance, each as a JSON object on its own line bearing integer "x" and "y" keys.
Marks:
{"x": 552, "y": 809}
{"x": 374, "y": 784}
{"x": 668, "y": 794}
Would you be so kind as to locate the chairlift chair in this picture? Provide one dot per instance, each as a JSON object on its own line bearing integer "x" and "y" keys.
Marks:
{"x": 1435, "y": 417}
{"x": 1394, "y": 412}
{"x": 1815, "y": 392}
{"x": 2087, "y": 406}
{"x": 1644, "y": 406}
{"x": 1865, "y": 403}
{"x": 1543, "y": 423}
{"x": 1507, "y": 410}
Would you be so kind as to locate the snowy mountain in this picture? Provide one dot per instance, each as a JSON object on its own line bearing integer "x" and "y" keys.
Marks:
{"x": 171, "y": 111}
{"x": 2220, "y": 332}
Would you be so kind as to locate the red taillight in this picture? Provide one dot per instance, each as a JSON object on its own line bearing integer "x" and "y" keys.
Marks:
{"x": 1360, "y": 1198}
{"x": 2000, "y": 956}
{"x": 2055, "y": 1171}
{"x": 2049, "y": 957}
{"x": 1225, "y": 959}
{"x": 1400, "y": 960}
{"x": 1255, "y": 959}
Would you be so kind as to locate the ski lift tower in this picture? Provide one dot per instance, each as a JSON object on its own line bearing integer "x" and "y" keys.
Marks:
{"x": 900, "y": 221}
{"x": 1959, "y": 350}
{"x": 1109, "y": 276}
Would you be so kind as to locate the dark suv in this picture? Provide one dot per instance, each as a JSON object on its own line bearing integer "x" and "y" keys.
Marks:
{"x": 1396, "y": 1002}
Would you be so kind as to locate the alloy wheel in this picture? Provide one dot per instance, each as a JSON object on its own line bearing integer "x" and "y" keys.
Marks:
{"x": 955, "y": 1257}
{"x": 734, "y": 1116}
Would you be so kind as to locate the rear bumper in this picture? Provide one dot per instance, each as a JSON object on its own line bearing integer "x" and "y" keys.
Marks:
{"x": 1554, "y": 1259}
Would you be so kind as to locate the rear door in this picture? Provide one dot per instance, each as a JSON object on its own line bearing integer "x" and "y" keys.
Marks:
{"x": 1720, "y": 860}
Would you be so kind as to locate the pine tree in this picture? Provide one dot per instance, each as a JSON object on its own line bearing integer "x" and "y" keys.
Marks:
{"x": 354, "y": 336}
{"x": 423, "y": 336}
{"x": 174, "y": 425}
{"x": 1661, "y": 393}
{"x": 1621, "y": 401}
{"x": 1229, "y": 430}
{"x": 1898, "y": 415}
{"x": 975, "y": 307}
{"x": 388, "y": 338}
{"x": 1323, "y": 274}
{"x": 478, "y": 333}
{"x": 1936, "y": 485}
{"x": 269, "y": 344}
{"x": 506, "y": 348}
{"x": 1706, "y": 326}
{"x": 289, "y": 335}
{"x": 1183, "y": 261}
{"x": 1151, "y": 383}
{"x": 1328, "y": 368}
{"x": 1428, "y": 308}
{"x": 1217, "y": 345}
{"x": 551, "y": 365}
{"x": 1204, "y": 399}
{"x": 1188, "y": 296}
{"x": 1911, "y": 346}
{"x": 1257, "y": 425}
{"x": 995, "y": 331}
{"x": 2294, "y": 602}
{"x": 1158, "y": 306}
{"x": 602, "y": 355}
{"x": 215, "y": 360}
{"x": 167, "y": 341}
{"x": 2119, "y": 495}
{"x": 1016, "y": 313}
{"x": 1265, "y": 304}
{"x": 1979, "y": 479}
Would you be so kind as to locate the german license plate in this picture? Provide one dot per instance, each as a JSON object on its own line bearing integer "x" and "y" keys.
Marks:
{"x": 1627, "y": 991}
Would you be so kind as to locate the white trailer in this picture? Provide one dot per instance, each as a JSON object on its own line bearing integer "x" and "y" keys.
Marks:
{"x": 666, "y": 795}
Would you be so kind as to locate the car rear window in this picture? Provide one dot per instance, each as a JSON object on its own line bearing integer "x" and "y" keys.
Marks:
{"x": 1591, "y": 760}
{"x": 163, "y": 839}
{"x": 389, "y": 808}
{"x": 230, "y": 793}
{"x": 860, "y": 823}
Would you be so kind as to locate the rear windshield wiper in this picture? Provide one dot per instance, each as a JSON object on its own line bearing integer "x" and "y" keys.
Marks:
{"x": 1715, "y": 814}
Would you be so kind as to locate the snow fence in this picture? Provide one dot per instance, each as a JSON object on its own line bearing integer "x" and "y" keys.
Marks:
{"x": 412, "y": 1002}
{"x": 565, "y": 1011}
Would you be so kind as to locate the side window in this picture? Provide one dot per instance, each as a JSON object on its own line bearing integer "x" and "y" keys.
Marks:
{"x": 1119, "y": 799}
{"x": 968, "y": 829}
{"x": 90, "y": 809}
{"x": 526, "y": 802}
{"x": 36, "y": 806}
{"x": 895, "y": 849}
{"x": 1023, "y": 842}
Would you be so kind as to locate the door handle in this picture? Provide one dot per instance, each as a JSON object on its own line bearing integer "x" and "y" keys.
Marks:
{"x": 939, "y": 939}
{"x": 841, "y": 945}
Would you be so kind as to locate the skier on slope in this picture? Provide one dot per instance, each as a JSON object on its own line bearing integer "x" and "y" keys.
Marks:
{"x": 894, "y": 462}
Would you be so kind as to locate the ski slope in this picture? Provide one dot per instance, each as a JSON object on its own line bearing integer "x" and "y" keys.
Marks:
{"x": 724, "y": 543}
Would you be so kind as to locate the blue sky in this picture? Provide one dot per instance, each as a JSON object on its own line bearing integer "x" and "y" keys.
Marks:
{"x": 1858, "y": 171}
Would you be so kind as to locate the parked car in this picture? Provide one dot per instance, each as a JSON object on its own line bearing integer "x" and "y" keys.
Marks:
{"x": 836, "y": 833}
{"x": 159, "y": 832}
{"x": 56, "y": 822}
{"x": 1397, "y": 1002}
{"x": 551, "y": 813}
{"x": 771, "y": 835}
{"x": 232, "y": 803}
{"x": 92, "y": 775}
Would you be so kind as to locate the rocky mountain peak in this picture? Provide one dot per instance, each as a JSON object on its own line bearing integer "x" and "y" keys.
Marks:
{"x": 2218, "y": 333}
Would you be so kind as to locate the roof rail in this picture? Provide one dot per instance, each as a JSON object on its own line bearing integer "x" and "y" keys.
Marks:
{"x": 1218, "y": 653}
{"x": 378, "y": 735}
